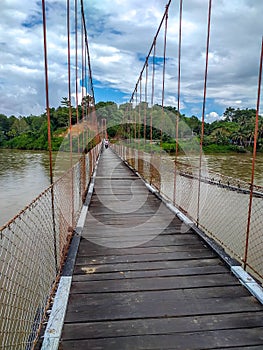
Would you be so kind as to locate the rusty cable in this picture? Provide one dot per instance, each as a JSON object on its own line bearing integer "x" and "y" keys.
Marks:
{"x": 49, "y": 133}
{"x": 203, "y": 108}
{"x": 152, "y": 97}
{"x": 178, "y": 96}
{"x": 179, "y": 75}
{"x": 153, "y": 43}
{"x": 145, "y": 107}
{"x": 70, "y": 109}
{"x": 164, "y": 67}
{"x": 76, "y": 67}
{"x": 254, "y": 158}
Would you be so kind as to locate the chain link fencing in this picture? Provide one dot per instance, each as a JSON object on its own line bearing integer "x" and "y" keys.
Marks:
{"x": 33, "y": 247}
{"x": 218, "y": 204}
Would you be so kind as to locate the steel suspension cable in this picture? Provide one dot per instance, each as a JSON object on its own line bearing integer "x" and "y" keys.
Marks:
{"x": 152, "y": 97}
{"x": 69, "y": 79}
{"x": 153, "y": 43}
{"x": 88, "y": 54}
{"x": 145, "y": 66}
{"x": 164, "y": 66}
{"x": 47, "y": 91}
{"x": 179, "y": 75}
{"x": 70, "y": 113}
{"x": 146, "y": 100}
{"x": 203, "y": 108}
{"x": 130, "y": 121}
{"x": 178, "y": 96}
{"x": 76, "y": 67}
{"x": 86, "y": 84}
{"x": 140, "y": 104}
{"x": 88, "y": 97}
{"x": 94, "y": 117}
{"x": 254, "y": 157}
{"x": 49, "y": 132}
{"x": 83, "y": 83}
{"x": 136, "y": 102}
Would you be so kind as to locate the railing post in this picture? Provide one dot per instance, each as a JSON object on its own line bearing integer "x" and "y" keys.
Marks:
{"x": 83, "y": 176}
{"x": 90, "y": 164}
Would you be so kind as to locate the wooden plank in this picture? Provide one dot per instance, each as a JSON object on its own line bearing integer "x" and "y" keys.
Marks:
{"x": 133, "y": 218}
{"x": 156, "y": 283}
{"x": 134, "y": 207}
{"x": 132, "y": 211}
{"x": 91, "y": 274}
{"x": 155, "y": 265}
{"x": 206, "y": 254}
{"x": 192, "y": 341}
{"x": 118, "y": 191}
{"x": 131, "y": 221}
{"x": 121, "y": 184}
{"x": 199, "y": 293}
{"x": 151, "y": 199}
{"x": 156, "y": 229}
{"x": 150, "y": 237}
{"x": 95, "y": 250}
{"x": 117, "y": 177}
{"x": 118, "y": 306}
{"x": 159, "y": 241}
{"x": 105, "y": 329}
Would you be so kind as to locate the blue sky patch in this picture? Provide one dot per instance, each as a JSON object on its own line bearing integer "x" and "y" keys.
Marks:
{"x": 33, "y": 21}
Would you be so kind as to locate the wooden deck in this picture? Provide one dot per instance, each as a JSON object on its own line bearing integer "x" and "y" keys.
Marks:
{"x": 142, "y": 280}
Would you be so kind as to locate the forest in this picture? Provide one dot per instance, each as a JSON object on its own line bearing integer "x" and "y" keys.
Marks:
{"x": 234, "y": 132}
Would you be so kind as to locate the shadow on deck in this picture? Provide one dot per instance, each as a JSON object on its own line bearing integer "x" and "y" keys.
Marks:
{"x": 144, "y": 280}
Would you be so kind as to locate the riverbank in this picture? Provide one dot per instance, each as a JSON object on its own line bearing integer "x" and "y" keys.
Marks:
{"x": 167, "y": 147}
{"x": 194, "y": 146}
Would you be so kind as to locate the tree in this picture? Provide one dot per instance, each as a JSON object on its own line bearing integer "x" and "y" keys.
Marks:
{"x": 4, "y": 124}
{"x": 18, "y": 127}
{"x": 228, "y": 114}
{"x": 65, "y": 102}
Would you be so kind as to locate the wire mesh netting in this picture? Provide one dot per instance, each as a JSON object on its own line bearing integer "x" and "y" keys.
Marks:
{"x": 33, "y": 247}
{"x": 218, "y": 204}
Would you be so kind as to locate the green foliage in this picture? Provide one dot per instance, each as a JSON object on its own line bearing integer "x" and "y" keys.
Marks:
{"x": 216, "y": 148}
{"x": 235, "y": 132}
{"x": 31, "y": 133}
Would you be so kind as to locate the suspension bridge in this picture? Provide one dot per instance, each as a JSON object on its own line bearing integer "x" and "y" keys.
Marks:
{"x": 131, "y": 248}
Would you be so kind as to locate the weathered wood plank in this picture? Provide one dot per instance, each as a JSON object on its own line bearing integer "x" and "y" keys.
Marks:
{"x": 154, "y": 283}
{"x": 154, "y": 230}
{"x": 92, "y": 274}
{"x": 95, "y": 250}
{"x": 115, "y": 306}
{"x": 154, "y": 265}
{"x": 206, "y": 254}
{"x": 191, "y": 340}
{"x": 105, "y": 329}
{"x": 157, "y": 222}
{"x": 159, "y": 241}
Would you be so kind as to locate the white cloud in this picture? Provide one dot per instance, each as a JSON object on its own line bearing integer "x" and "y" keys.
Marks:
{"x": 211, "y": 117}
{"x": 120, "y": 35}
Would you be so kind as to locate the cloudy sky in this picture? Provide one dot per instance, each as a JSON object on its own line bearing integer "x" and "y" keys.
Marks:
{"x": 120, "y": 35}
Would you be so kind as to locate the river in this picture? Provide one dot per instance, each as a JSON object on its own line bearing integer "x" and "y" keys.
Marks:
{"x": 25, "y": 174}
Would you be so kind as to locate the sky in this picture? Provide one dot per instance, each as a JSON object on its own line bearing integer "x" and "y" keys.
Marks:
{"x": 120, "y": 35}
